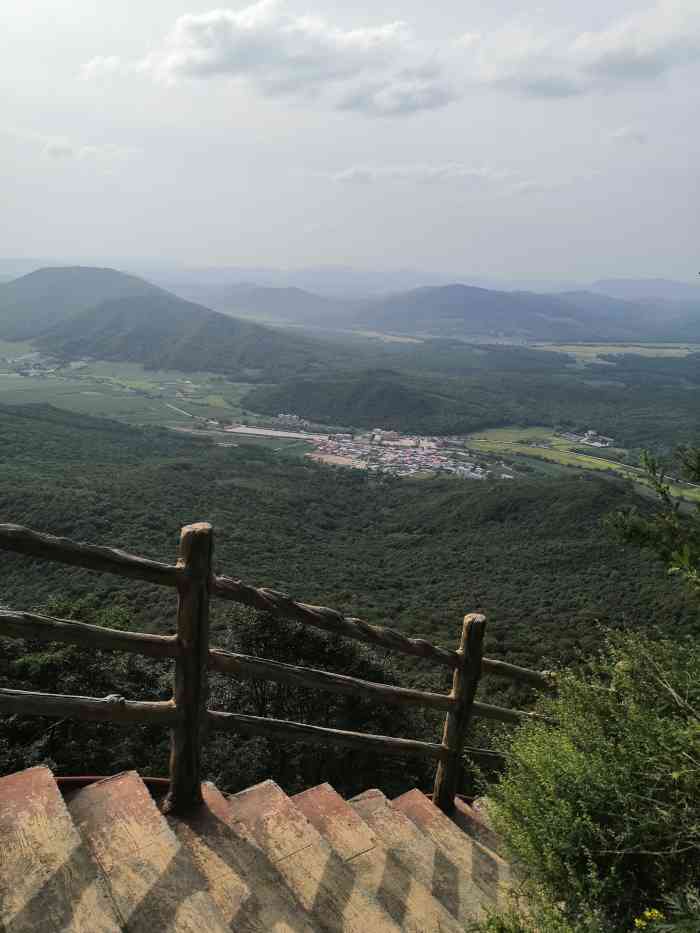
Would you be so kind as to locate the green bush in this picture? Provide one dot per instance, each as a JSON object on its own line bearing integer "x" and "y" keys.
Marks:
{"x": 603, "y": 809}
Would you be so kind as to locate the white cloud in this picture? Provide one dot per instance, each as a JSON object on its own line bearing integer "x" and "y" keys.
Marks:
{"x": 641, "y": 47}
{"x": 62, "y": 148}
{"x": 628, "y": 134}
{"x": 381, "y": 70}
{"x": 423, "y": 173}
{"x": 496, "y": 182}
{"x": 102, "y": 65}
{"x": 386, "y": 70}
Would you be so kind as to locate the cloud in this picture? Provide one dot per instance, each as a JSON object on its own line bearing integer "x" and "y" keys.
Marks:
{"x": 61, "y": 148}
{"x": 641, "y": 47}
{"x": 628, "y": 134}
{"x": 386, "y": 70}
{"x": 498, "y": 182}
{"x": 422, "y": 173}
{"x": 380, "y": 70}
{"x": 58, "y": 149}
{"x": 102, "y": 65}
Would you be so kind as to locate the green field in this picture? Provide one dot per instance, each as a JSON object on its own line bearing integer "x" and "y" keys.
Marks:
{"x": 541, "y": 443}
{"x": 592, "y": 352}
{"x": 126, "y": 391}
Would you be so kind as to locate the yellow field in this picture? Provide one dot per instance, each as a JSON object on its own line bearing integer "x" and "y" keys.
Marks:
{"x": 589, "y": 352}
{"x": 542, "y": 443}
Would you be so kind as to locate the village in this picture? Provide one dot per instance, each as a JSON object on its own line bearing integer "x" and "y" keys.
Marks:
{"x": 378, "y": 450}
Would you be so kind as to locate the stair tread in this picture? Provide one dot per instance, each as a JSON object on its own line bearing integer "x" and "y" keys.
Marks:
{"x": 375, "y": 865}
{"x": 320, "y": 879}
{"x": 154, "y": 883}
{"x": 48, "y": 880}
{"x": 488, "y": 870}
{"x": 249, "y": 892}
{"x": 449, "y": 882}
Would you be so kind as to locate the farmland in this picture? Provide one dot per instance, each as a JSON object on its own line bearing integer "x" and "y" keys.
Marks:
{"x": 585, "y": 353}
{"x": 543, "y": 444}
{"x": 121, "y": 390}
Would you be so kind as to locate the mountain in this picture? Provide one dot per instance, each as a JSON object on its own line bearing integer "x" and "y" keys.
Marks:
{"x": 647, "y": 290}
{"x": 283, "y": 304}
{"x": 35, "y": 302}
{"x": 164, "y": 332}
{"x": 464, "y": 310}
{"x": 81, "y": 311}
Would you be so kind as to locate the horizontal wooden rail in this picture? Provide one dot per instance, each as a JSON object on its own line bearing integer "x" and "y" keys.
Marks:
{"x": 93, "y": 557}
{"x": 302, "y": 732}
{"x": 17, "y": 624}
{"x": 226, "y": 662}
{"x": 523, "y": 674}
{"x": 330, "y": 620}
{"x": 501, "y": 714}
{"x": 102, "y": 709}
{"x": 113, "y": 560}
{"x": 30, "y": 625}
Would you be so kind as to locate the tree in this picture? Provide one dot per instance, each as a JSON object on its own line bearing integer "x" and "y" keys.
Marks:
{"x": 671, "y": 534}
{"x": 232, "y": 762}
{"x": 601, "y": 804}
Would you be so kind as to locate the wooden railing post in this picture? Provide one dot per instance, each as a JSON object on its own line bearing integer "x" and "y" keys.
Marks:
{"x": 191, "y": 674}
{"x": 464, "y": 683}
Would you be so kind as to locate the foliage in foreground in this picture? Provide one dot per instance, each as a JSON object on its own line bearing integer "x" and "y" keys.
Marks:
{"x": 603, "y": 809}
{"x": 671, "y": 535}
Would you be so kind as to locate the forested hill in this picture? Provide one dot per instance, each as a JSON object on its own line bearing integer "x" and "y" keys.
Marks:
{"x": 642, "y": 402}
{"x": 35, "y": 302}
{"x": 412, "y": 554}
{"x": 164, "y": 332}
{"x": 81, "y": 311}
{"x": 463, "y": 310}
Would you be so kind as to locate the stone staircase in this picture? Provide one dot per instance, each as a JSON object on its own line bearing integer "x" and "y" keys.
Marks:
{"x": 104, "y": 858}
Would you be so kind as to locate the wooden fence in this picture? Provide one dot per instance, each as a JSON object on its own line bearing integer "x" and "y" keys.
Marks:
{"x": 187, "y": 714}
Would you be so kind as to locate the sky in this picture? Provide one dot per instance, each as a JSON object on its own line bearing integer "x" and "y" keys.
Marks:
{"x": 551, "y": 140}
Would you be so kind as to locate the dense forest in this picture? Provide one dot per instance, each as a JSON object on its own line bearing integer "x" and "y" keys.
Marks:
{"x": 416, "y": 555}
{"x": 653, "y": 403}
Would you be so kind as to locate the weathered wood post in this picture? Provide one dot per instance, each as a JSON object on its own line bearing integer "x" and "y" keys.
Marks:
{"x": 191, "y": 677}
{"x": 464, "y": 684}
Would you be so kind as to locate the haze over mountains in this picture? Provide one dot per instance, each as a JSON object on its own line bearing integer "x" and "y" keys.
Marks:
{"x": 467, "y": 311}
{"x": 84, "y": 311}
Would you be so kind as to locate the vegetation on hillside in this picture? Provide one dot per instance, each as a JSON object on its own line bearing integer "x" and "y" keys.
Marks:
{"x": 667, "y": 532}
{"x": 636, "y": 411}
{"x": 70, "y": 747}
{"x": 602, "y": 809}
{"x": 416, "y": 555}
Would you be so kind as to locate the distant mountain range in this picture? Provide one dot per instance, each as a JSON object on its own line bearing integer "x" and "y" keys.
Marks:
{"x": 647, "y": 290}
{"x": 84, "y": 311}
{"x": 105, "y": 314}
{"x": 467, "y": 311}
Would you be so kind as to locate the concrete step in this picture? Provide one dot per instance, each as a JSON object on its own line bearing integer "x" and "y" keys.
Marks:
{"x": 321, "y": 881}
{"x": 410, "y": 904}
{"x": 475, "y": 822}
{"x": 48, "y": 880}
{"x": 470, "y": 858}
{"x": 425, "y": 861}
{"x": 250, "y": 893}
{"x": 153, "y": 881}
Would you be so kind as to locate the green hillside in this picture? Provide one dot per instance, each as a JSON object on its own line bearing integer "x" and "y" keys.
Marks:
{"x": 35, "y": 302}
{"x": 415, "y": 555}
{"x": 463, "y": 310}
{"x": 165, "y": 332}
{"x": 652, "y": 403}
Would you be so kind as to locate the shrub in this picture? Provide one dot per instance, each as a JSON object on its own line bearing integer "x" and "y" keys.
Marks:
{"x": 603, "y": 809}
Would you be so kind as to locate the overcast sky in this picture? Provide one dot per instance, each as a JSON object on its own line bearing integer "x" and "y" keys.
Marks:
{"x": 556, "y": 139}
